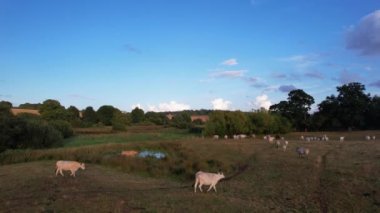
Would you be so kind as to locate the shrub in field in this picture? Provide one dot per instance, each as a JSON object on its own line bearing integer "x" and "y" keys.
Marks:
{"x": 137, "y": 115}
{"x": 119, "y": 121}
{"x": 27, "y": 132}
{"x": 89, "y": 117}
{"x": 182, "y": 120}
{"x": 63, "y": 127}
{"x": 39, "y": 134}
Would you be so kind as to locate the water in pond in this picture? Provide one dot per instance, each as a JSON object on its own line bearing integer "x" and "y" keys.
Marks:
{"x": 153, "y": 154}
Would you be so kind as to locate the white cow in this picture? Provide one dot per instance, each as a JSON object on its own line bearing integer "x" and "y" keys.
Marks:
{"x": 242, "y": 136}
{"x": 216, "y": 137}
{"x": 368, "y": 137}
{"x": 284, "y": 147}
{"x": 278, "y": 144}
{"x": 205, "y": 178}
{"x": 73, "y": 166}
{"x": 341, "y": 139}
{"x": 270, "y": 139}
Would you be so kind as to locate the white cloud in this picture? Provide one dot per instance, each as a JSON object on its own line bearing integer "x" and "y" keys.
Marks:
{"x": 137, "y": 105}
{"x": 170, "y": 106}
{"x": 220, "y": 104}
{"x": 365, "y": 36}
{"x": 262, "y": 101}
{"x": 229, "y": 74}
{"x": 230, "y": 62}
{"x": 303, "y": 62}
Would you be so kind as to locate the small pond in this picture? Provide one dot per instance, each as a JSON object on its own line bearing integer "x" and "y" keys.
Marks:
{"x": 153, "y": 154}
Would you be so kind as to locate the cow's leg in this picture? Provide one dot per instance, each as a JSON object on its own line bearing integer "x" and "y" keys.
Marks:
{"x": 56, "y": 172}
{"x": 195, "y": 185}
{"x": 215, "y": 188}
{"x": 200, "y": 187}
{"x": 60, "y": 171}
{"x": 210, "y": 188}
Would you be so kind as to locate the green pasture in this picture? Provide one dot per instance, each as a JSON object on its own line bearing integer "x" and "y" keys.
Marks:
{"x": 335, "y": 177}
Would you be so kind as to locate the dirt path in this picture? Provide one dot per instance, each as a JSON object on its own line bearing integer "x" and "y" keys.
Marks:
{"x": 320, "y": 197}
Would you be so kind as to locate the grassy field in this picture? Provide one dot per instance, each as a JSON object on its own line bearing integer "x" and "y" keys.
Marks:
{"x": 336, "y": 177}
{"x": 94, "y": 136}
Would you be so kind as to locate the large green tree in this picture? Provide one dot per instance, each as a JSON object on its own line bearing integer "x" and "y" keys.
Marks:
{"x": 53, "y": 110}
{"x": 373, "y": 114}
{"x": 137, "y": 115}
{"x": 156, "y": 118}
{"x": 119, "y": 120}
{"x": 353, "y": 105}
{"x": 74, "y": 116}
{"x": 326, "y": 118}
{"x": 216, "y": 125}
{"x": 236, "y": 123}
{"x": 89, "y": 116}
{"x": 105, "y": 114}
{"x": 182, "y": 120}
{"x": 5, "y": 108}
{"x": 296, "y": 108}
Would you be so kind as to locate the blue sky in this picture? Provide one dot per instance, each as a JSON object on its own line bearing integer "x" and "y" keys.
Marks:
{"x": 172, "y": 55}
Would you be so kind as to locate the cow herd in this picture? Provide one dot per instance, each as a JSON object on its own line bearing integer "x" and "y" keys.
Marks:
{"x": 206, "y": 178}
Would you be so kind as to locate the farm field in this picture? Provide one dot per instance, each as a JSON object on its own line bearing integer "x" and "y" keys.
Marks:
{"x": 335, "y": 177}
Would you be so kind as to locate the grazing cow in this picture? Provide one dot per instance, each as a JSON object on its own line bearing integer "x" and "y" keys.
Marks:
{"x": 205, "y": 178}
{"x": 242, "y": 136}
{"x": 373, "y": 137}
{"x": 302, "y": 137}
{"x": 216, "y": 137}
{"x": 341, "y": 139}
{"x": 225, "y": 136}
{"x": 368, "y": 138}
{"x": 278, "y": 144}
{"x": 131, "y": 153}
{"x": 73, "y": 166}
{"x": 286, "y": 143}
{"x": 302, "y": 152}
{"x": 270, "y": 139}
{"x": 284, "y": 147}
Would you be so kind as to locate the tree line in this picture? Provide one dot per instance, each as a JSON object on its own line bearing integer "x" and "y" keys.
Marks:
{"x": 351, "y": 109}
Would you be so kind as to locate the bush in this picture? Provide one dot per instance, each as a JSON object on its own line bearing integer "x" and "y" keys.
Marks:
{"x": 63, "y": 127}
{"x": 17, "y": 132}
{"x": 40, "y": 134}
